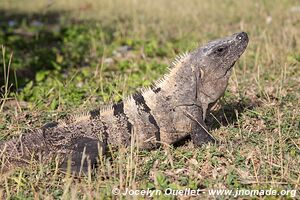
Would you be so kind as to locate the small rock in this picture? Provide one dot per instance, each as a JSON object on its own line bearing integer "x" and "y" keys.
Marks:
{"x": 108, "y": 61}
{"x": 295, "y": 9}
{"x": 36, "y": 23}
{"x": 122, "y": 50}
{"x": 12, "y": 23}
{"x": 268, "y": 19}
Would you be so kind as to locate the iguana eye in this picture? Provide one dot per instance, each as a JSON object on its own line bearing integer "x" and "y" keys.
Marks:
{"x": 220, "y": 50}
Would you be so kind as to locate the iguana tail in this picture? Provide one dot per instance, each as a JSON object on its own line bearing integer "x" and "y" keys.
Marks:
{"x": 72, "y": 141}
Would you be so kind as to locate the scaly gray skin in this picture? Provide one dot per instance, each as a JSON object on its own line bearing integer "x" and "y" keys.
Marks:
{"x": 173, "y": 108}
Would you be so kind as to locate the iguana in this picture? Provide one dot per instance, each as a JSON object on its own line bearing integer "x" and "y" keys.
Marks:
{"x": 171, "y": 109}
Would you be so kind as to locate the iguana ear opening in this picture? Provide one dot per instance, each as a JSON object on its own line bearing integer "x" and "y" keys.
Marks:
{"x": 201, "y": 73}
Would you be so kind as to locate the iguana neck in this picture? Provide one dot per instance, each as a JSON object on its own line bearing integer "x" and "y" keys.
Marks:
{"x": 176, "y": 88}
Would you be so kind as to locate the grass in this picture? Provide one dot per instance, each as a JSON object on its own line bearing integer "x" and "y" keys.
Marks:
{"x": 69, "y": 56}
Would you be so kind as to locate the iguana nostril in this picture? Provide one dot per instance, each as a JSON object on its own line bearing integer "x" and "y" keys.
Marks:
{"x": 242, "y": 36}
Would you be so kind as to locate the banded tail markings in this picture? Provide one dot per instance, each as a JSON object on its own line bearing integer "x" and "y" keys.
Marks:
{"x": 50, "y": 125}
{"x": 95, "y": 113}
{"x": 118, "y": 110}
{"x": 139, "y": 100}
{"x": 155, "y": 89}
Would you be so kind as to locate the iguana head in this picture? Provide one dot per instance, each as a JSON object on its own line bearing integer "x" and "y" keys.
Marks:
{"x": 213, "y": 63}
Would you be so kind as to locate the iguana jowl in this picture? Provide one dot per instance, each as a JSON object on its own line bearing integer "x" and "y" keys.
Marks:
{"x": 174, "y": 107}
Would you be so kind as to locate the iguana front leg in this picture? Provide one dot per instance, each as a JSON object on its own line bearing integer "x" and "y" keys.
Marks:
{"x": 199, "y": 132}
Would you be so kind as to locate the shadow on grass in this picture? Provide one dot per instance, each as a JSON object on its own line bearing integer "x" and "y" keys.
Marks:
{"x": 227, "y": 115}
{"x": 47, "y": 41}
{"x": 32, "y": 38}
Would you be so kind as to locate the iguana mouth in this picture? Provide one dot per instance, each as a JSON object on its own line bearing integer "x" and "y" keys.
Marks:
{"x": 229, "y": 68}
{"x": 232, "y": 65}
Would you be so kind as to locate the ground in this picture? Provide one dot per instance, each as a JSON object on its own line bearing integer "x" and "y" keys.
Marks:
{"x": 61, "y": 57}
